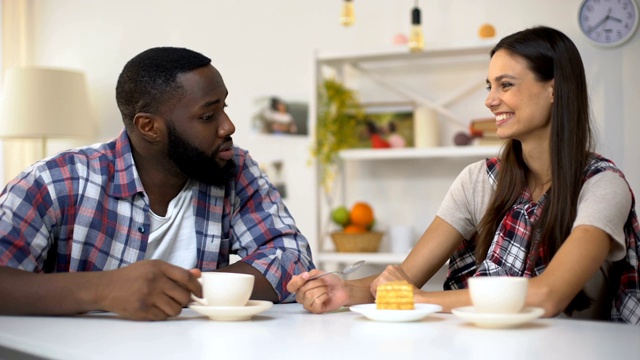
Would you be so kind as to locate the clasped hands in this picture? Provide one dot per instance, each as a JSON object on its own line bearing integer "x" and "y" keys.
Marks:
{"x": 332, "y": 292}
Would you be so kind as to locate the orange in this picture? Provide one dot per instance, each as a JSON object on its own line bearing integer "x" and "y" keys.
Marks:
{"x": 354, "y": 229}
{"x": 486, "y": 31}
{"x": 361, "y": 214}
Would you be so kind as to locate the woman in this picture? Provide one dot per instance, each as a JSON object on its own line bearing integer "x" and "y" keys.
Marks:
{"x": 548, "y": 208}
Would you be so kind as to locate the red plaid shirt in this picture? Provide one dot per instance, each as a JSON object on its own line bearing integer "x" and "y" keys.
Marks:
{"x": 509, "y": 254}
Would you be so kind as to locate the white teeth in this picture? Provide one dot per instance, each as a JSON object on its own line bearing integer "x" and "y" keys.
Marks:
{"x": 501, "y": 117}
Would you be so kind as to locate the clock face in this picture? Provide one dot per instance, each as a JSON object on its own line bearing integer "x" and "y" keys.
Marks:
{"x": 608, "y": 22}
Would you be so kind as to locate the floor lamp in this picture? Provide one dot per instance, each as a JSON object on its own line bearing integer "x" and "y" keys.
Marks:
{"x": 44, "y": 103}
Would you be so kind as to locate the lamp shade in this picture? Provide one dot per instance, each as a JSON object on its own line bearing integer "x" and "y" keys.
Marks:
{"x": 44, "y": 103}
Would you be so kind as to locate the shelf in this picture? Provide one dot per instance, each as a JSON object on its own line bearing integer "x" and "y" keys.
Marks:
{"x": 333, "y": 59}
{"x": 369, "y": 258}
{"x": 442, "y": 152}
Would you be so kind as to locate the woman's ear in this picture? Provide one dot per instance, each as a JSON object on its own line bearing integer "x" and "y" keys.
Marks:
{"x": 551, "y": 89}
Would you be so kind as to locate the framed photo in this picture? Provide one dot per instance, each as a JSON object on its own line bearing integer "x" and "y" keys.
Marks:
{"x": 276, "y": 116}
{"x": 275, "y": 171}
{"x": 387, "y": 126}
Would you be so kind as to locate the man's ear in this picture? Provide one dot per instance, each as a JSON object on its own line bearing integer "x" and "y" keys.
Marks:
{"x": 148, "y": 126}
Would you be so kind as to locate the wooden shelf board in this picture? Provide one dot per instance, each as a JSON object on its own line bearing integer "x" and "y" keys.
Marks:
{"x": 403, "y": 54}
{"x": 369, "y": 258}
{"x": 421, "y": 153}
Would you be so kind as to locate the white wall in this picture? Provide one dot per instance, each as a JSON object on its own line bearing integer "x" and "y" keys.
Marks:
{"x": 265, "y": 47}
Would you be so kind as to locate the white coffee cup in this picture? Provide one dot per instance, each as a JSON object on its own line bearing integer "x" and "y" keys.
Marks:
{"x": 400, "y": 238}
{"x": 225, "y": 289}
{"x": 498, "y": 294}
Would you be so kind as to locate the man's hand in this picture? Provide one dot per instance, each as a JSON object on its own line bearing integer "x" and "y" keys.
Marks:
{"x": 147, "y": 290}
{"x": 320, "y": 295}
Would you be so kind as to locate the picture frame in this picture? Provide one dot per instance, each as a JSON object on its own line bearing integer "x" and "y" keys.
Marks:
{"x": 275, "y": 171}
{"x": 386, "y": 125}
{"x": 276, "y": 116}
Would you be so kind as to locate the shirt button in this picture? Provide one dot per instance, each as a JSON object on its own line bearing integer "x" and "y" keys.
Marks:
{"x": 141, "y": 229}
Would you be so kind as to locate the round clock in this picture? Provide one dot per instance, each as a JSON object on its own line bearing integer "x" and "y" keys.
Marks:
{"x": 608, "y": 22}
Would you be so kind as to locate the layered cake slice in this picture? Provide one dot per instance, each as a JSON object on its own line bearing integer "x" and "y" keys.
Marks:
{"x": 395, "y": 295}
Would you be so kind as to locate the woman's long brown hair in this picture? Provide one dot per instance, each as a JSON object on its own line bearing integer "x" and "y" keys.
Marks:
{"x": 550, "y": 55}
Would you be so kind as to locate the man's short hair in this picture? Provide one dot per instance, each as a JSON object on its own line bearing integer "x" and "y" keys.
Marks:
{"x": 148, "y": 82}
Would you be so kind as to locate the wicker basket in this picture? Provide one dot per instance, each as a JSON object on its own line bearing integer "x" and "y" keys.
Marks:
{"x": 365, "y": 242}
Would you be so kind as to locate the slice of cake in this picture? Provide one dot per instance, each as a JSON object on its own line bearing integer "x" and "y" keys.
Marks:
{"x": 395, "y": 295}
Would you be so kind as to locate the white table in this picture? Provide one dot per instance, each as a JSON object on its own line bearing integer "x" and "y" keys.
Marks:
{"x": 289, "y": 332}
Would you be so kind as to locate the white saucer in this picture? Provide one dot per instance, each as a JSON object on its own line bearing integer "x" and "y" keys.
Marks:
{"x": 232, "y": 313}
{"x": 420, "y": 311}
{"x": 498, "y": 320}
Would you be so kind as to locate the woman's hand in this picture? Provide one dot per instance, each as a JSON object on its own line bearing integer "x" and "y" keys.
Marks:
{"x": 391, "y": 273}
{"x": 320, "y": 295}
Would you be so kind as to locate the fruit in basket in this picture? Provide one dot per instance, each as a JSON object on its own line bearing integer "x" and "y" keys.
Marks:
{"x": 354, "y": 229}
{"x": 357, "y": 234}
{"x": 361, "y": 214}
{"x": 340, "y": 216}
{"x": 359, "y": 219}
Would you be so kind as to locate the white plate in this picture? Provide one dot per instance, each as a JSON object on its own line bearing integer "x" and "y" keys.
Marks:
{"x": 498, "y": 320}
{"x": 232, "y": 313}
{"x": 420, "y": 311}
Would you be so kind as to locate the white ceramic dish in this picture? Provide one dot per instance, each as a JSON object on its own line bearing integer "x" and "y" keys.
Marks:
{"x": 420, "y": 312}
{"x": 232, "y": 313}
{"x": 487, "y": 320}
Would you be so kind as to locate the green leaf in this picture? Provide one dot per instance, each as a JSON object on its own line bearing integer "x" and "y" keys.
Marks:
{"x": 339, "y": 114}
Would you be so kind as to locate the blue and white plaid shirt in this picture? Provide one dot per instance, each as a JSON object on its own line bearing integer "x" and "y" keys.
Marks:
{"x": 86, "y": 210}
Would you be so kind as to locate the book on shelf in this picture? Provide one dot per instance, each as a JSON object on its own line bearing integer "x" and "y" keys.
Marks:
{"x": 484, "y": 131}
{"x": 489, "y": 139}
{"x": 484, "y": 125}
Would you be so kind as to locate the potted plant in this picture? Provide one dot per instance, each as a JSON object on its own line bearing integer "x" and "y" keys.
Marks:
{"x": 339, "y": 113}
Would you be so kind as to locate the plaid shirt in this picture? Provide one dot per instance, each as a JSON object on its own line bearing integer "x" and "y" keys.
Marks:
{"x": 509, "y": 253}
{"x": 86, "y": 210}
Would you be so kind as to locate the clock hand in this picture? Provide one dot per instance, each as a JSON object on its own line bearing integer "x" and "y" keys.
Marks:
{"x": 604, "y": 20}
{"x": 594, "y": 27}
{"x": 611, "y": 18}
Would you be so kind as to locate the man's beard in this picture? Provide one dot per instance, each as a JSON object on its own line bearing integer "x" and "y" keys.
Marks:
{"x": 196, "y": 164}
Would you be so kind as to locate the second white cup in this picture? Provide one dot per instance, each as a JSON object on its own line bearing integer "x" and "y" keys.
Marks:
{"x": 498, "y": 294}
{"x": 225, "y": 289}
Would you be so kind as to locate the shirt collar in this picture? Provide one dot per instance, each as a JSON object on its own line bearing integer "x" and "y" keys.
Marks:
{"x": 126, "y": 181}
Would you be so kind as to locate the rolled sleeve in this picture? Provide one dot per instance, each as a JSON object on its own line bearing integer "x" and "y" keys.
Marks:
{"x": 279, "y": 265}
{"x": 467, "y": 199}
{"x": 605, "y": 202}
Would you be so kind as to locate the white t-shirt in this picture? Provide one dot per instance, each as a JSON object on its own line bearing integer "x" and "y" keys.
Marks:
{"x": 172, "y": 237}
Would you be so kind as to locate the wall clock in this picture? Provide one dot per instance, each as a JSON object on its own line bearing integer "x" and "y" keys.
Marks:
{"x": 608, "y": 22}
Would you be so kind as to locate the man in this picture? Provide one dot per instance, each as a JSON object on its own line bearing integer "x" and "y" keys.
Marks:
{"x": 116, "y": 226}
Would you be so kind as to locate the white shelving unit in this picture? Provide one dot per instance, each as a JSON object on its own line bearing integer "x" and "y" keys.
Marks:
{"x": 405, "y": 184}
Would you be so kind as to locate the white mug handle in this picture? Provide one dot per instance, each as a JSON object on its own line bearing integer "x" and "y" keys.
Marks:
{"x": 200, "y": 301}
